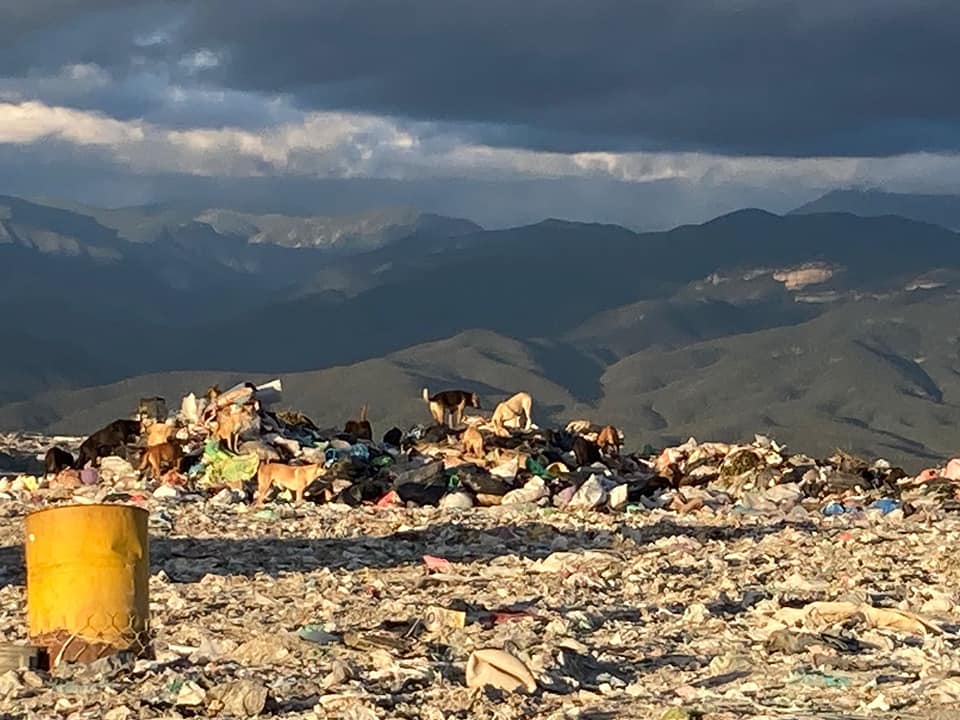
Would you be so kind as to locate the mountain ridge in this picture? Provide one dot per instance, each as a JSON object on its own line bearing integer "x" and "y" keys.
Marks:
{"x": 937, "y": 209}
{"x": 558, "y": 308}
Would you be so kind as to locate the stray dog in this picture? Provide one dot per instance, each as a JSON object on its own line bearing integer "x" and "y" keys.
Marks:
{"x": 450, "y": 402}
{"x": 609, "y": 439}
{"x": 472, "y": 442}
{"x": 296, "y": 478}
{"x": 156, "y": 456}
{"x": 360, "y": 429}
{"x": 157, "y": 433}
{"x": 393, "y": 437}
{"x": 107, "y": 440}
{"x": 513, "y": 408}
{"x": 578, "y": 426}
{"x": 57, "y": 459}
{"x": 585, "y": 451}
{"x": 231, "y": 421}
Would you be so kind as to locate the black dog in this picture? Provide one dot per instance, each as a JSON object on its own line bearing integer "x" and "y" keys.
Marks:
{"x": 585, "y": 451}
{"x": 393, "y": 437}
{"x": 107, "y": 441}
{"x": 57, "y": 459}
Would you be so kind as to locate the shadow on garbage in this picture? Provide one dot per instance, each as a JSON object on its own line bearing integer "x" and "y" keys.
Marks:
{"x": 11, "y": 567}
{"x": 189, "y": 559}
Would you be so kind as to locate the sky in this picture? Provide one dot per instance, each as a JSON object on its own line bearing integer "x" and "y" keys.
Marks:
{"x": 644, "y": 112}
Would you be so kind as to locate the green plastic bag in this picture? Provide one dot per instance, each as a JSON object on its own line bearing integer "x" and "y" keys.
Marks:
{"x": 222, "y": 468}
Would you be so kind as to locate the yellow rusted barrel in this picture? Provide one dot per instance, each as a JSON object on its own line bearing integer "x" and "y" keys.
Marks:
{"x": 88, "y": 572}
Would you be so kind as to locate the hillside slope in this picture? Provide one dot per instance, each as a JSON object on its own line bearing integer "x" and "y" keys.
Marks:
{"x": 941, "y": 210}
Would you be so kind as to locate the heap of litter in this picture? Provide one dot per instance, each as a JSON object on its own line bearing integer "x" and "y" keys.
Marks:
{"x": 224, "y": 443}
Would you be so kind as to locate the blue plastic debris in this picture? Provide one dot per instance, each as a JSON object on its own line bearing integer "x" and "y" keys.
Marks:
{"x": 885, "y": 505}
{"x": 834, "y": 508}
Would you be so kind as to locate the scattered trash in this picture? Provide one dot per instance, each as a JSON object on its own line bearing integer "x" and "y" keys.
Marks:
{"x": 435, "y": 563}
{"x": 439, "y": 618}
{"x": 727, "y": 578}
{"x": 239, "y": 698}
{"x": 500, "y": 670}
{"x": 190, "y": 694}
{"x": 316, "y": 634}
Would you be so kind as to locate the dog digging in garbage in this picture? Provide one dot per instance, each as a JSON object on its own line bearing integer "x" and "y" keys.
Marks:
{"x": 513, "y": 408}
{"x": 585, "y": 451}
{"x": 360, "y": 429}
{"x": 296, "y": 478}
{"x": 156, "y": 456}
{"x": 108, "y": 440}
{"x": 609, "y": 440}
{"x": 450, "y": 402}
{"x": 578, "y": 426}
{"x": 57, "y": 459}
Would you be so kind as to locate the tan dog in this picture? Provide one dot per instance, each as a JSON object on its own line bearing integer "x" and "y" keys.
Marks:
{"x": 157, "y": 433}
{"x": 513, "y": 408}
{"x": 472, "y": 442}
{"x": 609, "y": 439}
{"x": 296, "y": 478}
{"x": 578, "y": 427}
{"x": 156, "y": 456}
{"x": 231, "y": 421}
{"x": 450, "y": 402}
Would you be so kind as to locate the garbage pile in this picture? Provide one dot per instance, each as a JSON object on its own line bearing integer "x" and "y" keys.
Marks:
{"x": 707, "y": 580}
{"x": 224, "y": 443}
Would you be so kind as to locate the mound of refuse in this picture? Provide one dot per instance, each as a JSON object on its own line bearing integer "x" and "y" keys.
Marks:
{"x": 216, "y": 445}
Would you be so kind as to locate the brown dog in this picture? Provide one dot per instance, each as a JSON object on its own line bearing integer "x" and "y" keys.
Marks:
{"x": 296, "y": 478}
{"x": 513, "y": 408}
{"x": 361, "y": 429}
{"x": 585, "y": 451}
{"x": 156, "y": 456}
{"x": 472, "y": 442}
{"x": 609, "y": 439}
{"x": 450, "y": 402}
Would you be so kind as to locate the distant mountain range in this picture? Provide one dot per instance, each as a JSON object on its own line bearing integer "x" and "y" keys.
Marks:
{"x": 937, "y": 209}
{"x": 824, "y": 329}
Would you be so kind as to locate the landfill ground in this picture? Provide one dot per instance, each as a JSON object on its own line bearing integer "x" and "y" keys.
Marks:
{"x": 324, "y": 611}
{"x": 545, "y": 573}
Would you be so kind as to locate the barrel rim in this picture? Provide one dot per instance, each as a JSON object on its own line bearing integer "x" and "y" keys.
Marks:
{"x": 74, "y": 506}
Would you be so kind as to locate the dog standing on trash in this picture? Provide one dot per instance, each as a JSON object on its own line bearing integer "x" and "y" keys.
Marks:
{"x": 296, "y": 478}
{"x": 609, "y": 440}
{"x": 450, "y": 402}
{"x": 231, "y": 421}
{"x": 513, "y": 408}
{"x": 360, "y": 429}
{"x": 156, "y": 433}
{"x": 155, "y": 456}
{"x": 108, "y": 440}
{"x": 472, "y": 442}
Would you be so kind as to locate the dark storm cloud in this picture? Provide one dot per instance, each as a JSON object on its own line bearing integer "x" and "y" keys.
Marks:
{"x": 782, "y": 77}
{"x": 39, "y": 35}
{"x": 779, "y": 77}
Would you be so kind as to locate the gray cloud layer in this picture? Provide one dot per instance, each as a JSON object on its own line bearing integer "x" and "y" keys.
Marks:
{"x": 777, "y": 77}
{"x": 716, "y": 104}
{"x": 769, "y": 77}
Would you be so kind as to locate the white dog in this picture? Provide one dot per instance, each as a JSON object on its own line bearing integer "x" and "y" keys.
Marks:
{"x": 512, "y": 409}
